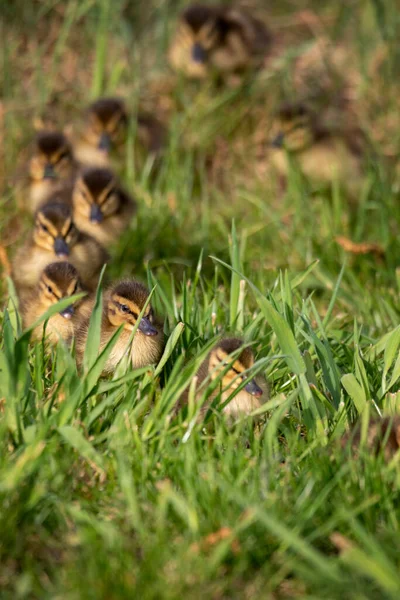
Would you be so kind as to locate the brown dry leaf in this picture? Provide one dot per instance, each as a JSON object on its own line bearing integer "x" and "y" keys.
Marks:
{"x": 359, "y": 247}
{"x": 212, "y": 539}
{"x": 341, "y": 542}
{"x": 4, "y": 261}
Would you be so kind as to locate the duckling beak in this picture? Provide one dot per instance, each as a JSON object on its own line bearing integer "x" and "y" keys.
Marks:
{"x": 96, "y": 216}
{"x": 61, "y": 247}
{"x": 146, "y": 327}
{"x": 252, "y": 388}
{"x": 105, "y": 142}
{"x": 49, "y": 171}
{"x": 68, "y": 312}
{"x": 199, "y": 55}
{"x": 277, "y": 142}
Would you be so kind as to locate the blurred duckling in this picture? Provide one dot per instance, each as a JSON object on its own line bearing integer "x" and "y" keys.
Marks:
{"x": 105, "y": 130}
{"x": 121, "y": 307}
{"x": 322, "y": 154}
{"x": 51, "y": 163}
{"x": 55, "y": 238}
{"x": 58, "y": 280}
{"x": 101, "y": 208}
{"x": 231, "y": 371}
{"x": 383, "y": 435}
{"x": 223, "y": 40}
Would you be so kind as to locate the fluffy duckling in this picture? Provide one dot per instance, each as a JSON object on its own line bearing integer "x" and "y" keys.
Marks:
{"x": 323, "y": 155}
{"x": 245, "y": 401}
{"x": 58, "y": 280}
{"x": 224, "y": 40}
{"x": 122, "y": 305}
{"x": 55, "y": 238}
{"x": 52, "y": 162}
{"x": 382, "y": 435}
{"x": 101, "y": 208}
{"x": 104, "y": 129}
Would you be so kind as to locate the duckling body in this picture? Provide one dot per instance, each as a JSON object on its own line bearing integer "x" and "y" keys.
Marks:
{"x": 122, "y": 305}
{"x": 101, "y": 208}
{"x": 55, "y": 238}
{"x": 215, "y": 366}
{"x": 57, "y": 281}
{"x": 52, "y": 163}
{"x": 323, "y": 156}
{"x": 223, "y": 40}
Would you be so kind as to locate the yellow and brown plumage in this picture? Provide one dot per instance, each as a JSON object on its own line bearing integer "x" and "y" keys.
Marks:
{"x": 121, "y": 307}
{"x": 101, "y": 208}
{"x": 323, "y": 154}
{"x": 51, "y": 164}
{"x": 229, "y": 362}
{"x": 55, "y": 238}
{"x": 58, "y": 281}
{"x": 223, "y": 39}
{"x": 104, "y": 131}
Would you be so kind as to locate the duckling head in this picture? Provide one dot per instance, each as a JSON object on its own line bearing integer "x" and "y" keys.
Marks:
{"x": 126, "y": 301}
{"x": 52, "y": 157}
{"x": 233, "y": 375}
{"x": 293, "y": 128}
{"x": 59, "y": 280}
{"x": 106, "y": 124}
{"x": 198, "y": 33}
{"x": 95, "y": 194}
{"x": 54, "y": 229}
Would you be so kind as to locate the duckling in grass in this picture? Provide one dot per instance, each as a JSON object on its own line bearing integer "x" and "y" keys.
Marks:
{"x": 101, "y": 208}
{"x": 323, "y": 155}
{"x": 58, "y": 280}
{"x": 105, "y": 130}
{"x": 224, "y": 40}
{"x": 121, "y": 307}
{"x": 52, "y": 162}
{"x": 228, "y": 362}
{"x": 55, "y": 238}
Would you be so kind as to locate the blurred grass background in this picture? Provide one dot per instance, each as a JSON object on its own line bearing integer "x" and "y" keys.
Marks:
{"x": 103, "y": 494}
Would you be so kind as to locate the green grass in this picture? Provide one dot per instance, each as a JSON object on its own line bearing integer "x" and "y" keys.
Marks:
{"x": 104, "y": 493}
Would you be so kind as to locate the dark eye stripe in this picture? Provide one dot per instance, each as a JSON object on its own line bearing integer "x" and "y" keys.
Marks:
{"x": 108, "y": 196}
{"x": 236, "y": 371}
{"x": 63, "y": 155}
{"x": 68, "y": 230}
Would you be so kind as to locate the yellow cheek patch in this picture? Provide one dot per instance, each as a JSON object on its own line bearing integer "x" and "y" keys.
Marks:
{"x": 73, "y": 288}
{"x": 66, "y": 227}
{"x": 105, "y": 193}
{"x": 42, "y": 221}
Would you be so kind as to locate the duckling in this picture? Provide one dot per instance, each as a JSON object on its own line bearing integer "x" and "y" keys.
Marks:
{"x": 323, "y": 155}
{"x": 58, "y": 280}
{"x": 122, "y": 305}
{"x": 52, "y": 162}
{"x": 105, "y": 128}
{"x": 245, "y": 401}
{"x": 101, "y": 208}
{"x": 55, "y": 238}
{"x": 224, "y": 40}
{"x": 382, "y": 434}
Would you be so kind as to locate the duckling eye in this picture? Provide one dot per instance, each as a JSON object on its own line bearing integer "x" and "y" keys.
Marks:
{"x": 124, "y": 308}
{"x": 62, "y": 156}
{"x": 44, "y": 228}
{"x": 49, "y": 289}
